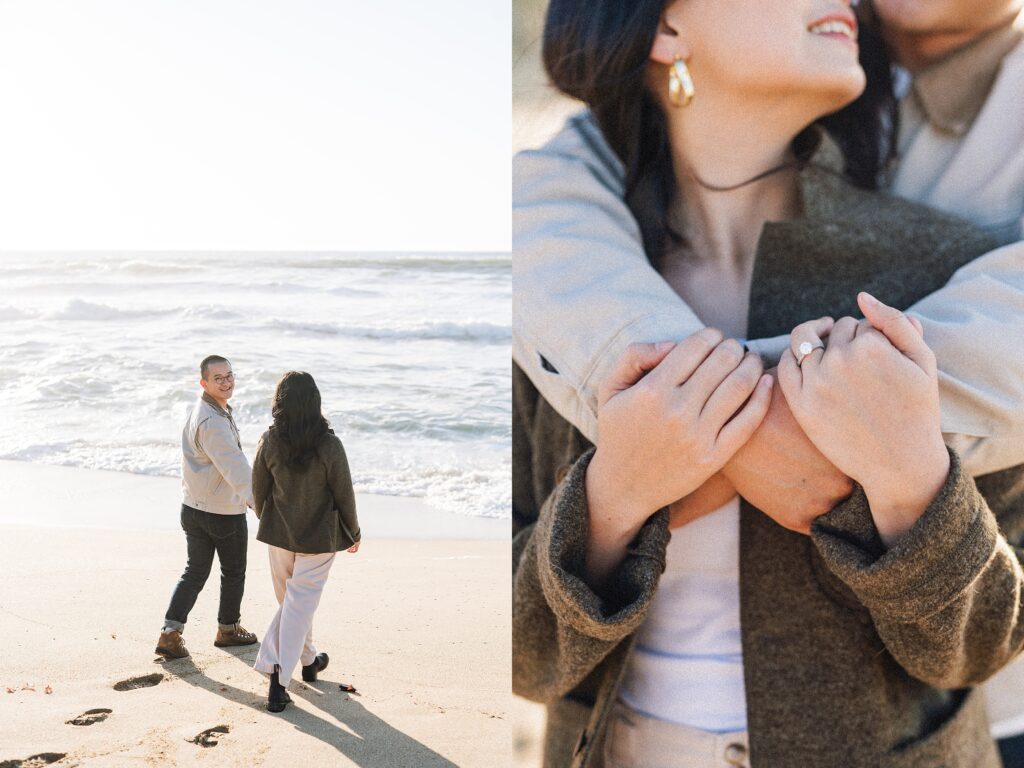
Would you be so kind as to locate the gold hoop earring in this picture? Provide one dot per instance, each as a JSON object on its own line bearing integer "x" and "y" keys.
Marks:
{"x": 680, "y": 84}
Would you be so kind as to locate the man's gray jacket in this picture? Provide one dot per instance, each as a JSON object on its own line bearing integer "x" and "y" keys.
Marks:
{"x": 215, "y": 475}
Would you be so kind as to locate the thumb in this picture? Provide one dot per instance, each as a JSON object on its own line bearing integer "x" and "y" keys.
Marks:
{"x": 636, "y": 360}
{"x": 904, "y": 333}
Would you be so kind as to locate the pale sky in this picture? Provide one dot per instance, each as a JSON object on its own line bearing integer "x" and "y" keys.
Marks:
{"x": 255, "y": 125}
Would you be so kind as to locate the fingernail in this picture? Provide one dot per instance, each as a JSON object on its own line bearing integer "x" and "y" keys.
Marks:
{"x": 661, "y": 346}
{"x": 767, "y": 381}
{"x": 871, "y": 300}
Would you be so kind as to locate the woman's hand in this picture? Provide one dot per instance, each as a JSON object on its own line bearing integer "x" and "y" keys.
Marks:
{"x": 669, "y": 417}
{"x": 354, "y": 548}
{"x": 870, "y": 403}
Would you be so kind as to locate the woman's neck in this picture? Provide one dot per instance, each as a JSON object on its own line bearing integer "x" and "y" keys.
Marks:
{"x": 725, "y": 225}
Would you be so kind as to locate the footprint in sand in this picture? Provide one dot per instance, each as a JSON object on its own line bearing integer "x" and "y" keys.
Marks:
{"x": 209, "y": 737}
{"x": 91, "y": 716}
{"x": 143, "y": 681}
{"x": 36, "y": 761}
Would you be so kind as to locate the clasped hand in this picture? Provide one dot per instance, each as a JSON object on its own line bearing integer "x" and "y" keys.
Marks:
{"x": 869, "y": 401}
{"x": 671, "y": 416}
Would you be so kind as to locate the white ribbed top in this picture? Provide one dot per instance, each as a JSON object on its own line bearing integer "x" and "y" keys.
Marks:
{"x": 687, "y": 666}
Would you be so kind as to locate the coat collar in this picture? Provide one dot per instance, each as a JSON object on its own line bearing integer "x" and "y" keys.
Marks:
{"x": 822, "y": 184}
{"x": 208, "y": 398}
{"x": 847, "y": 236}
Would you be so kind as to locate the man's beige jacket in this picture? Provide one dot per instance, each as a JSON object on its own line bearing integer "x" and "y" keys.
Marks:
{"x": 215, "y": 475}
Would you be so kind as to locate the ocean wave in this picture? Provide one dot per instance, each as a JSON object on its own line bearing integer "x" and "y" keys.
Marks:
{"x": 8, "y": 314}
{"x": 278, "y": 287}
{"x": 90, "y": 311}
{"x": 426, "y": 262}
{"x": 80, "y": 309}
{"x": 45, "y": 265}
{"x": 147, "y": 267}
{"x": 152, "y": 459}
{"x": 475, "y": 492}
{"x": 345, "y": 291}
{"x": 154, "y": 264}
{"x": 81, "y": 388}
{"x": 477, "y": 332}
{"x": 210, "y": 313}
{"x": 446, "y": 428}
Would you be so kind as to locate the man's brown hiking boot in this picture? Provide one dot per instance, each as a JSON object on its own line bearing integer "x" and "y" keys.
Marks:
{"x": 237, "y": 635}
{"x": 171, "y": 645}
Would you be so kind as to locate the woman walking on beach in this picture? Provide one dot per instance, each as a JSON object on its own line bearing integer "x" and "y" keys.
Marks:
{"x": 307, "y": 512}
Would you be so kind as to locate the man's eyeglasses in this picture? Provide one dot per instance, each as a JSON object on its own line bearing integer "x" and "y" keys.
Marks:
{"x": 228, "y": 377}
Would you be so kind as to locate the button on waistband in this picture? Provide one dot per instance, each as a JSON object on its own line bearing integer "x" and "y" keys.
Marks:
{"x": 736, "y": 754}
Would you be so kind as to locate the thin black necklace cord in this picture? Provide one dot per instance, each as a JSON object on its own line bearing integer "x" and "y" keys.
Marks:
{"x": 798, "y": 164}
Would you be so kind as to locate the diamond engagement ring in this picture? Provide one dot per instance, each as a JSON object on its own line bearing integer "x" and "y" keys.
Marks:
{"x": 805, "y": 349}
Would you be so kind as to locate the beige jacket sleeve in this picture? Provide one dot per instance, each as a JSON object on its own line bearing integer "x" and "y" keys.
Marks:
{"x": 218, "y": 442}
{"x": 948, "y": 599}
{"x": 975, "y": 325}
{"x": 584, "y": 290}
{"x": 571, "y": 323}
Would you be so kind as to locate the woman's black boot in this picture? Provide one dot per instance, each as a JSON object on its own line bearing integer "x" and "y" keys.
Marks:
{"x": 310, "y": 671}
{"x": 278, "y": 697}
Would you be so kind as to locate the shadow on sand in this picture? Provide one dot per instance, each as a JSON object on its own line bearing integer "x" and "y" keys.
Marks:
{"x": 365, "y": 739}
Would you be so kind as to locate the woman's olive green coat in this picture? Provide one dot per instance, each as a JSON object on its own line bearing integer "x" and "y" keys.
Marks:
{"x": 312, "y": 511}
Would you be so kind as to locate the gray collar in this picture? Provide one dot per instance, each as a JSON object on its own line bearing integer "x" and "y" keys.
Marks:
{"x": 208, "y": 398}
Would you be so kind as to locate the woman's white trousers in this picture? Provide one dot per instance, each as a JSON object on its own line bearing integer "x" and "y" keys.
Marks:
{"x": 298, "y": 583}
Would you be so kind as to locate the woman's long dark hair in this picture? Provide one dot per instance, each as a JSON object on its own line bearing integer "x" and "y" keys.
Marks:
{"x": 298, "y": 423}
{"x": 597, "y": 51}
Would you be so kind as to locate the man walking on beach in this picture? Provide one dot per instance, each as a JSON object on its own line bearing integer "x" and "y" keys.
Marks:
{"x": 217, "y": 484}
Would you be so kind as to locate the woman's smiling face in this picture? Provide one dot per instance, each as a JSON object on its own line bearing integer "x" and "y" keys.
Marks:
{"x": 766, "y": 48}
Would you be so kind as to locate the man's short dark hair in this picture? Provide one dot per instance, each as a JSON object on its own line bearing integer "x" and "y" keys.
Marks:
{"x": 204, "y": 367}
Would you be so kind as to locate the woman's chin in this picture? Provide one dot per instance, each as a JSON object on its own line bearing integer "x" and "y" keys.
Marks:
{"x": 843, "y": 87}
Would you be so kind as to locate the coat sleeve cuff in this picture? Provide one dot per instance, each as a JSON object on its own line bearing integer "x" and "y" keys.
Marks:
{"x": 931, "y": 566}
{"x": 622, "y": 605}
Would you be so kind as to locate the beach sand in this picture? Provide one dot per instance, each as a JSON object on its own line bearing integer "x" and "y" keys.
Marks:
{"x": 420, "y": 625}
{"x": 527, "y": 733}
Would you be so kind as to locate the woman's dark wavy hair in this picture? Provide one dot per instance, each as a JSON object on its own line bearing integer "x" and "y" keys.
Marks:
{"x": 597, "y": 51}
{"x": 298, "y": 423}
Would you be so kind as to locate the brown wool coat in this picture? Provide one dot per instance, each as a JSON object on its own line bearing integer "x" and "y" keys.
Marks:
{"x": 312, "y": 511}
{"x": 853, "y": 656}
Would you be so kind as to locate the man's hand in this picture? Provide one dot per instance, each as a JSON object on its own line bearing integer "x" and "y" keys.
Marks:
{"x": 716, "y": 492}
{"x": 781, "y": 473}
{"x": 353, "y": 549}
